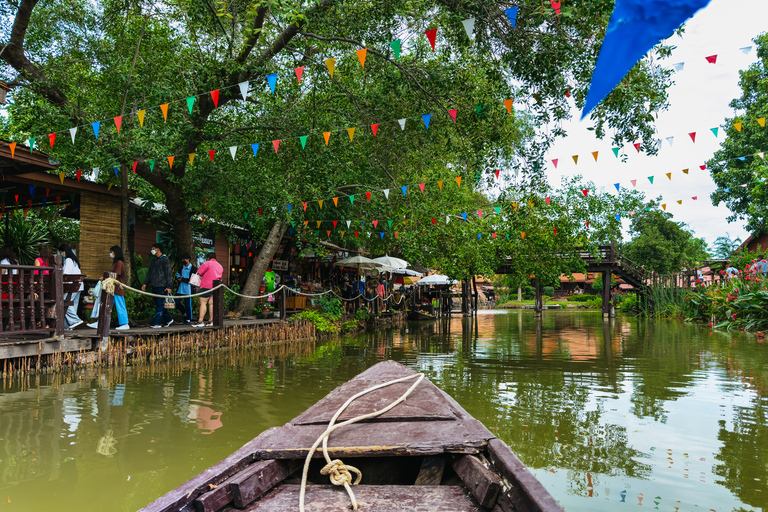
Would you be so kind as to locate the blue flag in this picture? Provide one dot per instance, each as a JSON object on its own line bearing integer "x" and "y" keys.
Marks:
{"x": 426, "y": 118}
{"x": 95, "y": 127}
{"x": 382, "y": 234}
{"x": 289, "y": 208}
{"x": 512, "y": 15}
{"x": 479, "y": 235}
{"x": 272, "y": 79}
{"x": 618, "y": 187}
{"x": 618, "y": 217}
{"x": 404, "y": 189}
{"x": 255, "y": 148}
{"x": 465, "y": 216}
{"x": 32, "y": 189}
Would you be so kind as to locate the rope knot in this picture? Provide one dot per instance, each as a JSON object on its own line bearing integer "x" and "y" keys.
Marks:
{"x": 339, "y": 473}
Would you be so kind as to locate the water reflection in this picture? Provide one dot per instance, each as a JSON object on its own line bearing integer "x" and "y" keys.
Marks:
{"x": 607, "y": 414}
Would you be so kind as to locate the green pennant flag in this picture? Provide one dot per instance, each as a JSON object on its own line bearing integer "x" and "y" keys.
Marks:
{"x": 151, "y": 166}
{"x": 246, "y": 214}
{"x": 479, "y": 109}
{"x": 498, "y": 209}
{"x": 714, "y": 130}
{"x": 303, "y": 139}
{"x": 647, "y": 209}
{"x": 650, "y": 178}
{"x": 396, "y": 48}
{"x": 352, "y": 199}
{"x": 293, "y": 223}
{"x": 190, "y": 102}
{"x": 317, "y": 233}
{"x": 32, "y": 143}
{"x": 616, "y": 152}
{"x": 390, "y": 224}
{"x": 507, "y": 236}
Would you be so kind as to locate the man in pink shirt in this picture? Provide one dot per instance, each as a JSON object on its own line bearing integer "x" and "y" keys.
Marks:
{"x": 209, "y": 272}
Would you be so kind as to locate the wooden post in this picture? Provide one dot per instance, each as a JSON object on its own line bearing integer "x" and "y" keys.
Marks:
{"x": 606, "y": 294}
{"x": 106, "y": 300}
{"x": 218, "y": 305}
{"x": 539, "y": 301}
{"x": 282, "y": 305}
{"x": 58, "y": 294}
{"x": 474, "y": 291}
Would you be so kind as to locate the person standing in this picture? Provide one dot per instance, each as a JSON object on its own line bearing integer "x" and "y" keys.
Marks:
{"x": 209, "y": 272}
{"x": 117, "y": 268}
{"x": 160, "y": 279}
{"x": 185, "y": 305}
{"x": 71, "y": 267}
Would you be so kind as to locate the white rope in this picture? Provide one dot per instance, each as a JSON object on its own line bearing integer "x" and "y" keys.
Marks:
{"x": 338, "y": 471}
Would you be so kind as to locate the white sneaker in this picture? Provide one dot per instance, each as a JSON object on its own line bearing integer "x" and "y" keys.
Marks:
{"x": 169, "y": 323}
{"x": 123, "y": 327}
{"x": 209, "y": 324}
{"x": 73, "y": 326}
{"x": 199, "y": 324}
{"x": 94, "y": 325}
{"x": 155, "y": 326}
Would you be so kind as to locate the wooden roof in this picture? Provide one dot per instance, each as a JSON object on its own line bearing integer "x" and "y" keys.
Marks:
{"x": 23, "y": 160}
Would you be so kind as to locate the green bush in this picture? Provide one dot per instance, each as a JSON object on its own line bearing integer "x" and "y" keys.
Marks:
{"x": 626, "y": 301}
{"x": 362, "y": 315}
{"x": 529, "y": 292}
{"x": 595, "y": 302}
{"x": 320, "y": 320}
{"x": 580, "y": 298}
{"x": 139, "y": 306}
{"x": 549, "y": 291}
{"x": 331, "y": 305}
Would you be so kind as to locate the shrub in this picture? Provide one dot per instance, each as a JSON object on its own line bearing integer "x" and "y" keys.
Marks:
{"x": 331, "y": 305}
{"x": 580, "y": 298}
{"x": 529, "y": 292}
{"x": 320, "y": 320}
{"x": 626, "y": 301}
{"x": 549, "y": 291}
{"x": 362, "y": 315}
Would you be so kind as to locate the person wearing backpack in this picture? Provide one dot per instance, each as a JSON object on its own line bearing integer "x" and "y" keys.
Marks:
{"x": 185, "y": 305}
{"x": 160, "y": 279}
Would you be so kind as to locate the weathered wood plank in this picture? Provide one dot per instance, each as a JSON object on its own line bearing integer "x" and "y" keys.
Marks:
{"x": 431, "y": 472}
{"x": 370, "y": 498}
{"x": 259, "y": 478}
{"x": 215, "y": 499}
{"x": 481, "y": 482}
{"x": 535, "y": 497}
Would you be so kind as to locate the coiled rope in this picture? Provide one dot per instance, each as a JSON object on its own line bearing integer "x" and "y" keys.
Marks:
{"x": 340, "y": 473}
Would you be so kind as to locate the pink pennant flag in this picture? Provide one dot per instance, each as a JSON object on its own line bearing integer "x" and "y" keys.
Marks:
{"x": 118, "y": 123}
{"x": 554, "y": 161}
{"x": 375, "y": 129}
{"x": 637, "y": 146}
{"x": 694, "y": 197}
{"x": 712, "y": 59}
{"x": 547, "y": 199}
{"x": 555, "y": 6}
{"x": 421, "y": 186}
{"x": 299, "y": 72}
{"x": 692, "y": 135}
{"x": 480, "y": 213}
{"x": 702, "y": 167}
{"x": 215, "y": 97}
{"x": 634, "y": 183}
{"x": 632, "y": 213}
{"x": 276, "y": 143}
{"x": 432, "y": 36}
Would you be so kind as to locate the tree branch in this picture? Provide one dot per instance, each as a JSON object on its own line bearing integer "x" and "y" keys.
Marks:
{"x": 258, "y": 24}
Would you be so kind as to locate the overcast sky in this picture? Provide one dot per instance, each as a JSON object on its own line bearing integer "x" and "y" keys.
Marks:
{"x": 698, "y": 101}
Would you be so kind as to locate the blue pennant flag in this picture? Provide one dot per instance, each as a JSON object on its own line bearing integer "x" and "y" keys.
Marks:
{"x": 726, "y": 190}
{"x": 95, "y": 127}
{"x": 382, "y": 234}
{"x": 291, "y": 232}
{"x": 635, "y": 27}
{"x": 45, "y": 202}
{"x": 742, "y": 158}
{"x": 618, "y": 187}
{"x": 404, "y": 189}
{"x": 618, "y": 217}
{"x": 479, "y": 235}
{"x": 426, "y": 118}
{"x": 464, "y": 215}
{"x": 362, "y": 224}
{"x": 32, "y": 189}
{"x": 255, "y": 148}
{"x": 272, "y": 79}
{"x": 289, "y": 208}
{"x": 116, "y": 169}
{"x": 512, "y": 15}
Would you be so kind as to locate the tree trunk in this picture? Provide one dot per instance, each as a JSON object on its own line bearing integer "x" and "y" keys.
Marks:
{"x": 124, "y": 212}
{"x": 259, "y": 268}
{"x": 182, "y": 227}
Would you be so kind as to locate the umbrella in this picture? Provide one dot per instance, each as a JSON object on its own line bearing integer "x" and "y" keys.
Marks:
{"x": 405, "y": 272}
{"x": 358, "y": 262}
{"x": 389, "y": 261}
{"x": 436, "y": 279}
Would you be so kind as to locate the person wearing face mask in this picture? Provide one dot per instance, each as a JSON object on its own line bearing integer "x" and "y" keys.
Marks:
{"x": 160, "y": 279}
{"x": 118, "y": 268}
{"x": 185, "y": 305}
{"x": 71, "y": 267}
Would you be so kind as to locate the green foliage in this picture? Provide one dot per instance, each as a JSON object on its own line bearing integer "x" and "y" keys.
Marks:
{"x": 626, "y": 301}
{"x": 331, "y": 305}
{"x": 724, "y": 246}
{"x": 25, "y": 238}
{"x": 738, "y": 303}
{"x": 580, "y": 298}
{"x": 139, "y": 270}
{"x": 548, "y": 291}
{"x": 362, "y": 315}
{"x": 322, "y": 321}
{"x": 665, "y": 302}
{"x": 139, "y": 306}
{"x": 230, "y": 299}
{"x": 741, "y": 260}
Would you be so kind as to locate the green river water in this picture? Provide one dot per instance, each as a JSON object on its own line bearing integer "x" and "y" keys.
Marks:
{"x": 608, "y": 415}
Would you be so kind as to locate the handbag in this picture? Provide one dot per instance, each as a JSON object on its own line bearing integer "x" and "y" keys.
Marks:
{"x": 195, "y": 279}
{"x": 169, "y": 302}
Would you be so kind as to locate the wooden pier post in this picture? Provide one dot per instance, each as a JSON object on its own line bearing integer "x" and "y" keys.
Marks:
{"x": 218, "y": 305}
{"x": 606, "y": 293}
{"x": 58, "y": 289}
{"x": 538, "y": 300}
{"x": 106, "y": 300}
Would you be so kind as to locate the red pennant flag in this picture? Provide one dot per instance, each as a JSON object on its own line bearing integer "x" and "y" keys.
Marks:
{"x": 555, "y": 230}
{"x": 52, "y": 138}
{"x": 702, "y": 167}
{"x": 493, "y": 235}
{"x": 421, "y": 186}
{"x": 375, "y": 129}
{"x": 134, "y": 167}
{"x": 12, "y": 147}
{"x": 587, "y": 223}
{"x": 118, "y": 123}
{"x": 215, "y": 97}
{"x": 397, "y": 235}
{"x": 555, "y": 162}
{"x": 305, "y": 205}
{"x": 17, "y": 198}
{"x": 276, "y": 143}
{"x": 58, "y": 200}
{"x": 712, "y": 59}
{"x": 334, "y": 224}
{"x": 26, "y": 211}
{"x": 79, "y": 174}
{"x": 453, "y": 113}
{"x": 585, "y": 192}
{"x": 692, "y": 135}
{"x": 375, "y": 223}
{"x": 261, "y": 210}
{"x": 299, "y": 71}
{"x": 434, "y": 221}
{"x": 555, "y": 6}
{"x": 47, "y": 191}
{"x": 480, "y": 213}
{"x": 356, "y": 232}
{"x": 368, "y": 196}
{"x": 432, "y": 36}
{"x": 694, "y": 197}
{"x": 210, "y": 154}
{"x": 547, "y": 199}
{"x": 497, "y": 173}
{"x": 637, "y": 146}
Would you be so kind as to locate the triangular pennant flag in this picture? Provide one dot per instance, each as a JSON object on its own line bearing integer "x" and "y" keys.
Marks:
{"x": 618, "y": 186}
{"x": 117, "y": 169}
{"x": 276, "y": 144}
{"x": 694, "y": 197}
{"x": 498, "y": 208}
{"x": 351, "y": 133}
{"x": 396, "y": 48}
{"x": 670, "y": 140}
{"x": 522, "y": 235}
{"x": 585, "y": 192}
{"x": 331, "y": 65}
{"x": 712, "y": 59}
{"x": 389, "y": 223}
{"x": 760, "y": 154}
{"x": 96, "y": 171}
{"x": 447, "y": 219}
{"x": 140, "y": 114}
{"x": 318, "y": 223}
{"x": 272, "y": 81}
{"x": 434, "y": 221}
{"x": 555, "y": 6}
{"x": 303, "y": 140}
{"x": 164, "y": 109}
{"x": 496, "y": 172}
{"x": 669, "y": 175}
{"x": 375, "y": 129}
{"x": 575, "y": 159}
{"x": 761, "y": 121}
{"x": 650, "y": 178}
{"x": 375, "y": 223}
{"x": 737, "y": 126}
{"x": 72, "y": 132}
{"x": 658, "y": 143}
{"x": 135, "y": 163}
{"x": 464, "y": 216}
{"x": 304, "y": 204}
{"x": 95, "y": 127}
{"x": 334, "y": 224}
{"x": 453, "y": 113}
{"x": 745, "y": 50}
{"x": 637, "y": 146}
{"x": 118, "y": 123}
{"x": 679, "y": 66}
{"x": 548, "y": 199}
{"x": 382, "y": 234}
{"x": 191, "y": 101}
{"x": 479, "y": 235}
{"x": 555, "y": 230}
{"x": 348, "y": 223}
{"x": 386, "y": 193}
{"x": 356, "y": 233}
{"x": 244, "y": 86}
{"x": 458, "y": 181}
{"x": 530, "y": 204}
{"x": 328, "y": 233}
{"x": 679, "y": 201}
{"x": 594, "y": 155}
{"x": 426, "y": 118}
{"x": 664, "y": 206}
{"x": 480, "y": 214}
{"x": 51, "y": 139}
{"x": 170, "y": 161}
{"x": 404, "y": 188}
{"x": 335, "y": 203}
{"x": 632, "y": 213}
{"x": 508, "y": 103}
{"x": 514, "y": 205}
{"x": 685, "y": 171}
{"x": 320, "y": 202}
{"x": 421, "y": 186}
{"x": 402, "y": 123}
{"x": 368, "y": 196}
{"x": 511, "y": 13}
{"x": 62, "y": 174}
{"x": 299, "y": 73}
{"x": 618, "y": 217}
{"x": 351, "y": 200}
{"x": 233, "y": 151}
{"x": 714, "y": 131}
{"x": 692, "y": 135}
{"x": 255, "y": 148}
{"x": 211, "y": 152}
{"x": 479, "y": 109}
{"x": 440, "y": 184}
{"x": 361, "y": 56}
{"x": 554, "y": 161}
{"x": 80, "y": 173}
{"x": 432, "y": 36}
{"x": 587, "y": 223}
{"x": 342, "y": 233}
{"x": 306, "y": 222}
{"x": 12, "y": 147}
{"x": 151, "y": 166}
{"x": 469, "y": 26}
{"x": 615, "y": 152}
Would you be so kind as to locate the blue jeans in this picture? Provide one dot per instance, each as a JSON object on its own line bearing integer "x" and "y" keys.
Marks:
{"x": 122, "y": 312}
{"x": 185, "y": 307}
{"x": 162, "y": 316}
{"x": 71, "y": 318}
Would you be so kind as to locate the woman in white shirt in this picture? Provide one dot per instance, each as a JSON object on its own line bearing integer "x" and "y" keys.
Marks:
{"x": 71, "y": 267}
{"x": 8, "y": 257}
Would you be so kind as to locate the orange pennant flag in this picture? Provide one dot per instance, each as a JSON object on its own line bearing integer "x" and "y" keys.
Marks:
{"x": 522, "y": 235}
{"x": 331, "y": 65}
{"x": 170, "y": 161}
{"x": 12, "y": 147}
{"x": 329, "y": 233}
{"x": 515, "y": 206}
{"x": 458, "y": 181}
{"x": 669, "y": 175}
{"x": 320, "y": 202}
{"x": 440, "y": 184}
{"x": 140, "y": 115}
{"x": 336, "y": 202}
{"x": 327, "y": 136}
{"x": 664, "y": 206}
{"x": 361, "y": 56}
{"x": 761, "y": 121}
{"x": 575, "y": 159}
{"x": 306, "y": 222}
{"x": 737, "y": 126}
{"x": 594, "y": 154}
{"x": 508, "y": 104}
{"x": 164, "y": 108}
{"x": 118, "y": 122}
{"x": 351, "y": 132}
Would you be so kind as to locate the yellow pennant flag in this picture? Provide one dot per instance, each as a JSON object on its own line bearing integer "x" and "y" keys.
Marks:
{"x": 669, "y": 175}
{"x": 685, "y": 171}
{"x": 331, "y": 64}
{"x": 61, "y": 176}
{"x": 361, "y": 55}
{"x": 191, "y": 159}
{"x": 737, "y": 126}
{"x": 522, "y": 235}
{"x": 351, "y": 132}
{"x": 575, "y": 159}
{"x": 140, "y": 115}
{"x": 594, "y": 154}
{"x": 170, "y": 161}
{"x": 320, "y": 202}
{"x": 515, "y": 206}
{"x": 342, "y": 233}
{"x": 440, "y": 184}
{"x": 530, "y": 204}
{"x": 327, "y": 136}
{"x": 164, "y": 108}
{"x": 761, "y": 121}
{"x": 318, "y": 223}
{"x": 679, "y": 201}
{"x": 336, "y": 202}
{"x": 664, "y": 206}
{"x": 458, "y": 181}
{"x": 12, "y": 147}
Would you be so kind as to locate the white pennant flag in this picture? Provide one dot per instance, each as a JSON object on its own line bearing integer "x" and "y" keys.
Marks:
{"x": 658, "y": 143}
{"x": 761, "y": 154}
{"x": 402, "y": 123}
{"x": 232, "y": 151}
{"x": 96, "y": 172}
{"x": 670, "y": 140}
{"x": 386, "y": 193}
{"x": 469, "y": 26}
{"x": 447, "y": 219}
{"x": 679, "y": 66}
{"x": 72, "y": 132}
{"x": 348, "y": 223}
{"x": 243, "y": 89}
{"x": 746, "y": 49}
